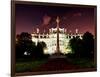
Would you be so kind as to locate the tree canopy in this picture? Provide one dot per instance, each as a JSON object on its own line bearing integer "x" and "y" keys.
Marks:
{"x": 26, "y": 48}
{"x": 83, "y": 47}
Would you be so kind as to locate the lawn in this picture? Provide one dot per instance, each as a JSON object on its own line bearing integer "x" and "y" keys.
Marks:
{"x": 83, "y": 63}
{"x": 28, "y": 66}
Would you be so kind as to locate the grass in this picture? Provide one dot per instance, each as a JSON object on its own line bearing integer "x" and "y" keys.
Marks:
{"x": 84, "y": 63}
{"x": 28, "y": 66}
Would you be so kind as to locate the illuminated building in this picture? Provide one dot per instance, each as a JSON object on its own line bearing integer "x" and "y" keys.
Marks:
{"x": 56, "y": 39}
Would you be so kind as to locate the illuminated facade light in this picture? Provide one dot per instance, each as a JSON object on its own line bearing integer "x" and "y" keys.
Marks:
{"x": 50, "y": 40}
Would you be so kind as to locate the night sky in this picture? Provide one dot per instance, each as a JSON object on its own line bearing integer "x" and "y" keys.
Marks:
{"x": 28, "y": 17}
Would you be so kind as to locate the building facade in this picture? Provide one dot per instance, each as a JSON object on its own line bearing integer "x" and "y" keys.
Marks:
{"x": 50, "y": 39}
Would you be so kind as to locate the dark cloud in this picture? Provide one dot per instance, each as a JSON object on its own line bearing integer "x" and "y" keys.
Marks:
{"x": 29, "y": 16}
{"x": 77, "y": 14}
{"x": 46, "y": 20}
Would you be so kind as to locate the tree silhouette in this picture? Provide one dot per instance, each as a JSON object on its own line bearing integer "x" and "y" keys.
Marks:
{"x": 76, "y": 46}
{"x": 40, "y": 49}
{"x": 25, "y": 48}
{"x": 25, "y": 36}
{"x": 88, "y": 44}
{"x": 83, "y": 48}
{"x": 24, "y": 45}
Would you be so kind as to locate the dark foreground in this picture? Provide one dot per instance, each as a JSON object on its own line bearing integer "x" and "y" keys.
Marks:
{"x": 57, "y": 65}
